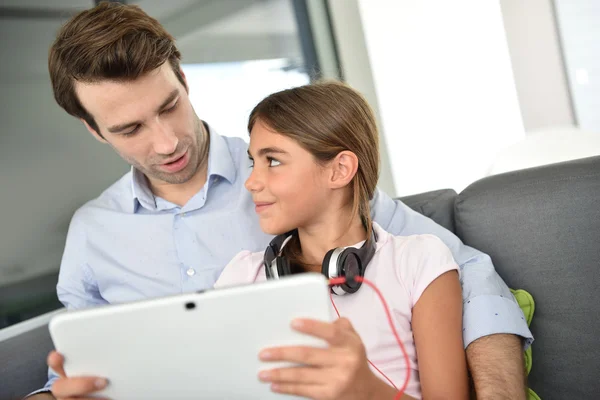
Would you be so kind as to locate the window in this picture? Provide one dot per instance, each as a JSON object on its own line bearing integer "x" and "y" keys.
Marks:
{"x": 223, "y": 94}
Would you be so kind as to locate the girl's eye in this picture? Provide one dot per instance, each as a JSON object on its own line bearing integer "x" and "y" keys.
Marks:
{"x": 273, "y": 162}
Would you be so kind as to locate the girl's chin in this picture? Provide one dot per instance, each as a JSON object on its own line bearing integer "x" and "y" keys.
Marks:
{"x": 270, "y": 228}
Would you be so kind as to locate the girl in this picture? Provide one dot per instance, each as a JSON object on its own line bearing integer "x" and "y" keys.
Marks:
{"x": 314, "y": 154}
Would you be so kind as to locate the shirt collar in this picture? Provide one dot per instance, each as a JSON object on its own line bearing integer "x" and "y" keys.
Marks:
{"x": 142, "y": 195}
{"x": 220, "y": 163}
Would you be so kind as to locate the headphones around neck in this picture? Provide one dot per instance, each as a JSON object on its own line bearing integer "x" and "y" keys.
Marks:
{"x": 339, "y": 262}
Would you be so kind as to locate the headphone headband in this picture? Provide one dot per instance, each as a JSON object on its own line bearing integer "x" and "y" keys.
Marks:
{"x": 348, "y": 262}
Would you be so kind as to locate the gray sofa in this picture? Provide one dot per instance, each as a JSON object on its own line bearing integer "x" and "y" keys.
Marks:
{"x": 541, "y": 226}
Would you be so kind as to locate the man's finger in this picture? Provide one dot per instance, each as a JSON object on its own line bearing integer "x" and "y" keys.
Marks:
{"x": 77, "y": 387}
{"x": 56, "y": 361}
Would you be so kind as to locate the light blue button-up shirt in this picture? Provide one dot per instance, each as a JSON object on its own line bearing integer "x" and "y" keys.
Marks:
{"x": 128, "y": 244}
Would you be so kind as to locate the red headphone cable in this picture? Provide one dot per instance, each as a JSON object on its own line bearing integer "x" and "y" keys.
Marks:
{"x": 342, "y": 280}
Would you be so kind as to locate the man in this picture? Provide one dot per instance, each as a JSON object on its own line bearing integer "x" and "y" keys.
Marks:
{"x": 173, "y": 222}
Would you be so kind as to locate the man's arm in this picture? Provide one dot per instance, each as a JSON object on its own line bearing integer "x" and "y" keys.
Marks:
{"x": 497, "y": 367}
{"x": 42, "y": 396}
{"x": 76, "y": 289}
{"x": 490, "y": 311}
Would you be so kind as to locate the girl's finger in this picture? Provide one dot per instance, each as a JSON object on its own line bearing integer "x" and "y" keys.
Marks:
{"x": 304, "y": 375}
{"x": 312, "y": 356}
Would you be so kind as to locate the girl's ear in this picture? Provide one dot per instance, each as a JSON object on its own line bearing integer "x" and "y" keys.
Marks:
{"x": 343, "y": 168}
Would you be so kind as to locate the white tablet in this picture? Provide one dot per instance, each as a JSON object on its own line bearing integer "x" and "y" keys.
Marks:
{"x": 191, "y": 346}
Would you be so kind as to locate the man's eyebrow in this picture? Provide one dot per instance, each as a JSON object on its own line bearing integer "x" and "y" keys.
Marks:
{"x": 268, "y": 150}
{"x": 169, "y": 99}
{"x": 121, "y": 127}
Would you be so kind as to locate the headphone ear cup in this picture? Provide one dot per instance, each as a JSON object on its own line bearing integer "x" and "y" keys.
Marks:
{"x": 350, "y": 266}
{"x": 268, "y": 272}
{"x": 334, "y": 266}
{"x": 326, "y": 268}
{"x": 274, "y": 267}
{"x": 283, "y": 267}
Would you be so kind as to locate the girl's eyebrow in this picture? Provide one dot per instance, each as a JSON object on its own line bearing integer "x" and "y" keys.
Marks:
{"x": 268, "y": 150}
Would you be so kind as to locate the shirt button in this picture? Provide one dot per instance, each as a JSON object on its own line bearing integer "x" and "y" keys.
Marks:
{"x": 182, "y": 215}
{"x": 191, "y": 272}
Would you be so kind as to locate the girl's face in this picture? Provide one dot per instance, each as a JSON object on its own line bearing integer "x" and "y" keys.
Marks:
{"x": 290, "y": 190}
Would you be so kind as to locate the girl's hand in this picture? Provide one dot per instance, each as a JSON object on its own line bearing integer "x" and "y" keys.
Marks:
{"x": 340, "y": 371}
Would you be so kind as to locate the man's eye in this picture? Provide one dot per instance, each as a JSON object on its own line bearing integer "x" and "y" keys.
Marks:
{"x": 132, "y": 132}
{"x": 273, "y": 162}
{"x": 168, "y": 110}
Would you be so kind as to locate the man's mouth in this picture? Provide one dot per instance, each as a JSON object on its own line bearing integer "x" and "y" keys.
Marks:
{"x": 177, "y": 164}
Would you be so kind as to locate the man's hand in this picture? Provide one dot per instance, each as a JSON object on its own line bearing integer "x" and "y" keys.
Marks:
{"x": 41, "y": 396}
{"x": 340, "y": 371}
{"x": 70, "y": 388}
{"x": 497, "y": 367}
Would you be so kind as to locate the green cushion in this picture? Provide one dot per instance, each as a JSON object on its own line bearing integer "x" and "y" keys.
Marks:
{"x": 525, "y": 301}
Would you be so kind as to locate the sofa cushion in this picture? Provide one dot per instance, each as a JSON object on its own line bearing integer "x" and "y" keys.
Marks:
{"x": 527, "y": 305}
{"x": 541, "y": 226}
{"x": 437, "y": 205}
{"x": 23, "y": 362}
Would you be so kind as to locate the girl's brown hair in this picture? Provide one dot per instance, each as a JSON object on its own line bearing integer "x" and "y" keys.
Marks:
{"x": 111, "y": 41}
{"x": 326, "y": 118}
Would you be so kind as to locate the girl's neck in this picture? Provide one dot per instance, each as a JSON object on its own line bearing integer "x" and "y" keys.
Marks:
{"x": 316, "y": 240}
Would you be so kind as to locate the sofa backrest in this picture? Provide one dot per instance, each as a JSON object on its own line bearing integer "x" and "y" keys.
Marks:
{"x": 541, "y": 226}
{"x": 437, "y": 205}
{"x": 23, "y": 351}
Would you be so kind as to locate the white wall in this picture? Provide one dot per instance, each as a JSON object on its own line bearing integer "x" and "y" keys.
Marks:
{"x": 579, "y": 23}
{"x": 444, "y": 86}
{"x": 356, "y": 69}
{"x": 49, "y": 166}
{"x": 534, "y": 46}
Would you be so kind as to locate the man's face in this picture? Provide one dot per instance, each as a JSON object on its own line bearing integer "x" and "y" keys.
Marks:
{"x": 150, "y": 122}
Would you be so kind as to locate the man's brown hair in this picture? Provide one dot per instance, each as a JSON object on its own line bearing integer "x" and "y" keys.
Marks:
{"x": 111, "y": 41}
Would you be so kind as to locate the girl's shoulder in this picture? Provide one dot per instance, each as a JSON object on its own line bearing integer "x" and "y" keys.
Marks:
{"x": 412, "y": 246}
{"x": 415, "y": 261}
{"x": 245, "y": 267}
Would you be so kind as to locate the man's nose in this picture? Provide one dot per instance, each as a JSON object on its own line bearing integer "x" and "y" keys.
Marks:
{"x": 165, "y": 140}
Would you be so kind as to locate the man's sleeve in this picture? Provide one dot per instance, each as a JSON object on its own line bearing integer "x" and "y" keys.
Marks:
{"x": 46, "y": 389}
{"x": 488, "y": 305}
{"x": 76, "y": 286}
